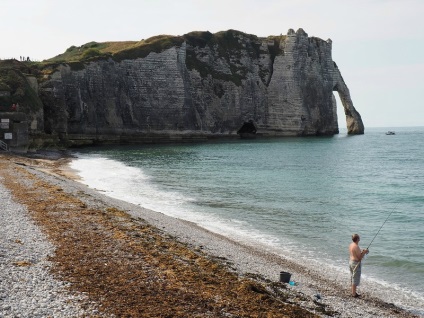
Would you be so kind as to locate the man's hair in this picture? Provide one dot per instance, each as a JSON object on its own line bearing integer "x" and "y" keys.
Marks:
{"x": 355, "y": 237}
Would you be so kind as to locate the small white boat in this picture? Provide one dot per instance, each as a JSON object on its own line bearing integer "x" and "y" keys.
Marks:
{"x": 390, "y": 133}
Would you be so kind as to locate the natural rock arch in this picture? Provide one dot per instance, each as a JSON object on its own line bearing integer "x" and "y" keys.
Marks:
{"x": 200, "y": 86}
{"x": 354, "y": 123}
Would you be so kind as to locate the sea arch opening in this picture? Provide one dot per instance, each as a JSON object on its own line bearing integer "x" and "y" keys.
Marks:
{"x": 340, "y": 111}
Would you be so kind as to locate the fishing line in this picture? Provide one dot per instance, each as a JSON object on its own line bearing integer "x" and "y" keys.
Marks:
{"x": 393, "y": 210}
{"x": 348, "y": 228}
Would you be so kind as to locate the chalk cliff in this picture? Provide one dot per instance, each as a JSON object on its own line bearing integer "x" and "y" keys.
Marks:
{"x": 199, "y": 85}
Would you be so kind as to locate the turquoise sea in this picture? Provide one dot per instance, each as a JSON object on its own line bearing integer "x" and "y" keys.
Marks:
{"x": 301, "y": 197}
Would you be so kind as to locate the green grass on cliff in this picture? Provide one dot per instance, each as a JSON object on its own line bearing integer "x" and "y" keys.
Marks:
{"x": 224, "y": 42}
{"x": 117, "y": 50}
{"x": 15, "y": 87}
{"x": 76, "y": 54}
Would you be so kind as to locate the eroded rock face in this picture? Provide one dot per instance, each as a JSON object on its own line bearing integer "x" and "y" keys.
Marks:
{"x": 283, "y": 84}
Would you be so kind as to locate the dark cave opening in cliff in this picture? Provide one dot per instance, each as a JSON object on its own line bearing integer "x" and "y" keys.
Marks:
{"x": 247, "y": 129}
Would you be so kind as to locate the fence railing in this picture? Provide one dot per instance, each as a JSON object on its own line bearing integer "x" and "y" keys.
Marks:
{"x": 3, "y": 145}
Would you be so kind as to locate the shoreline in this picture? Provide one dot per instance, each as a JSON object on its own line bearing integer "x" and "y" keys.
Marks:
{"x": 246, "y": 261}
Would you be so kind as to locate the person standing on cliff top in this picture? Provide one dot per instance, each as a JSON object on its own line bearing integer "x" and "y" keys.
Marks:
{"x": 356, "y": 256}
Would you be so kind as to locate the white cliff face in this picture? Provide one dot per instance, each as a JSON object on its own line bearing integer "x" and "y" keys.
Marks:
{"x": 284, "y": 85}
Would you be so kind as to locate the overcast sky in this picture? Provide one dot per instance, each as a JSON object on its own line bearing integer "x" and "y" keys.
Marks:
{"x": 378, "y": 45}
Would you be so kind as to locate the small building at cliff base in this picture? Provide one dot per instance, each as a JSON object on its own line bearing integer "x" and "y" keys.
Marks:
{"x": 14, "y": 131}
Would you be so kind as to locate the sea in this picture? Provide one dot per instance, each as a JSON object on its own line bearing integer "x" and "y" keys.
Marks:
{"x": 301, "y": 197}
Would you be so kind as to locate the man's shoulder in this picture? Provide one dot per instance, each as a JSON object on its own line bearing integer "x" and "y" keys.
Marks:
{"x": 353, "y": 246}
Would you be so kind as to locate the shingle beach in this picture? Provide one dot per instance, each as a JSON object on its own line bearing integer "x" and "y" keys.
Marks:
{"x": 70, "y": 251}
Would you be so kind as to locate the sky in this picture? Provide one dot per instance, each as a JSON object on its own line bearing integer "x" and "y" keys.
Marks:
{"x": 378, "y": 45}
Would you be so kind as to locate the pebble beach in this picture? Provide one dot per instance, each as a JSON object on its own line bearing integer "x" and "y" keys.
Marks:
{"x": 56, "y": 234}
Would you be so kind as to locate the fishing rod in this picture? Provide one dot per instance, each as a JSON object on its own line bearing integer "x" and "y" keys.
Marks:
{"x": 393, "y": 210}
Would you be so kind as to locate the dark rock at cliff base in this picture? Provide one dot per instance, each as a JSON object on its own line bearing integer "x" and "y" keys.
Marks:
{"x": 193, "y": 87}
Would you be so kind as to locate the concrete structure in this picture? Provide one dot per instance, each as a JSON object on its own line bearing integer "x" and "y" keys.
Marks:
{"x": 14, "y": 131}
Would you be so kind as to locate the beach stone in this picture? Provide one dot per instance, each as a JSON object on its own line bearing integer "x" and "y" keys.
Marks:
{"x": 29, "y": 291}
{"x": 54, "y": 300}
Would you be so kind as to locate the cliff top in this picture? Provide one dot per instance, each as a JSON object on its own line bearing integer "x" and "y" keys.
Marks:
{"x": 14, "y": 88}
{"x": 138, "y": 49}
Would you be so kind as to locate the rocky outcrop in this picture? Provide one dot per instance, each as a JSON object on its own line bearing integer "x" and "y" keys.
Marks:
{"x": 203, "y": 85}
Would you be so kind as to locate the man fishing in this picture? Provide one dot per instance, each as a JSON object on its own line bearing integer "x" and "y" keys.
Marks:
{"x": 356, "y": 256}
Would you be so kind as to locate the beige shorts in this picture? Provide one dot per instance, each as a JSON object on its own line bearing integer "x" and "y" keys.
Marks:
{"x": 355, "y": 277}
